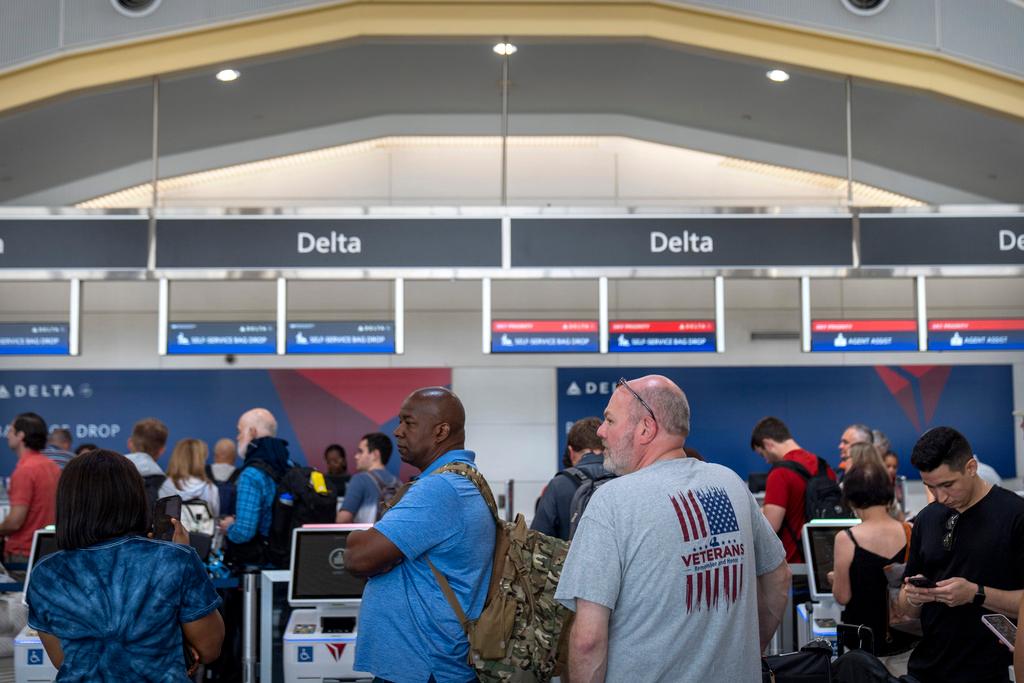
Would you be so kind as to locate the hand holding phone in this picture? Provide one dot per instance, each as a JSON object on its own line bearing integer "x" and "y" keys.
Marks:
{"x": 1002, "y": 627}
{"x": 166, "y": 509}
{"x": 920, "y": 581}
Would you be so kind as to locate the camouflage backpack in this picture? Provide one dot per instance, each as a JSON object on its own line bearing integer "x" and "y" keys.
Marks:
{"x": 521, "y": 630}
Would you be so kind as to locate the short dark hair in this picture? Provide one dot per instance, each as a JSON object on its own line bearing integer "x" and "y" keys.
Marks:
{"x": 867, "y": 485}
{"x": 376, "y": 441}
{"x": 583, "y": 435}
{"x": 34, "y": 428}
{"x": 149, "y": 436}
{"x": 769, "y": 428}
{"x": 61, "y": 436}
{"x": 100, "y": 496}
{"x": 85, "y": 448}
{"x": 335, "y": 447}
{"x": 941, "y": 446}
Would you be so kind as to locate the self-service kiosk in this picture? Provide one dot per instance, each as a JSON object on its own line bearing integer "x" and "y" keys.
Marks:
{"x": 320, "y": 640}
{"x": 818, "y": 619}
{"x": 31, "y": 663}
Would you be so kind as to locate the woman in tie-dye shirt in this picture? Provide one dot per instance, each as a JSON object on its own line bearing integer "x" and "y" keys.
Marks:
{"x": 112, "y": 604}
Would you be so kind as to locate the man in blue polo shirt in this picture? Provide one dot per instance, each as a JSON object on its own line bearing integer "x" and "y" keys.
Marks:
{"x": 408, "y": 632}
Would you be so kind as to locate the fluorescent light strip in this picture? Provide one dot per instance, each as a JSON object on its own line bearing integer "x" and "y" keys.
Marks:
{"x": 75, "y": 317}
{"x": 720, "y": 314}
{"x": 922, "y": 314}
{"x": 805, "y": 314}
{"x": 282, "y": 316}
{"x": 163, "y": 303}
{"x": 602, "y": 312}
{"x": 485, "y": 310}
{"x": 141, "y": 195}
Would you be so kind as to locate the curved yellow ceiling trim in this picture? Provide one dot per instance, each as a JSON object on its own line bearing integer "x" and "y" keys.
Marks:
{"x": 699, "y": 28}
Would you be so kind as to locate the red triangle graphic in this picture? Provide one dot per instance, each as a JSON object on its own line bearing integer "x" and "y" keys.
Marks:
{"x": 901, "y": 390}
{"x": 932, "y": 384}
{"x": 376, "y": 393}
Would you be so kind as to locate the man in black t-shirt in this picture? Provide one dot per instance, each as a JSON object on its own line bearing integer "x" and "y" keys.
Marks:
{"x": 970, "y": 542}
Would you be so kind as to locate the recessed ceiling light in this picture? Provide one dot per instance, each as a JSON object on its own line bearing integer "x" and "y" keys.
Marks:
{"x": 505, "y": 49}
{"x": 228, "y": 75}
{"x": 777, "y": 76}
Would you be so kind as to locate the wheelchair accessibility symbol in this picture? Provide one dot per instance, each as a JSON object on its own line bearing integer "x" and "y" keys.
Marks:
{"x": 35, "y": 657}
{"x": 305, "y": 653}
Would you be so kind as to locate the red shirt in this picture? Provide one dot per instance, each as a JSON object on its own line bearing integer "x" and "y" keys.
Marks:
{"x": 786, "y": 489}
{"x": 33, "y": 484}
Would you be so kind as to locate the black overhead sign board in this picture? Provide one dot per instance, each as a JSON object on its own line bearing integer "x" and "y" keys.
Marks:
{"x": 328, "y": 243}
{"x": 73, "y": 243}
{"x": 941, "y": 240}
{"x": 728, "y": 241}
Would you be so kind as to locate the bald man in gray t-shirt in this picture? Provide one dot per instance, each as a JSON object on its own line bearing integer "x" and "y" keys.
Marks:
{"x": 667, "y": 562}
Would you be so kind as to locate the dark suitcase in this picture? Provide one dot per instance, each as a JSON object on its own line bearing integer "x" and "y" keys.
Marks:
{"x": 812, "y": 664}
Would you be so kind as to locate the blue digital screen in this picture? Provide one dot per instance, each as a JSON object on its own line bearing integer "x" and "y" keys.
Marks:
{"x": 545, "y": 336}
{"x": 221, "y": 338}
{"x": 661, "y": 336}
{"x": 854, "y": 336}
{"x": 341, "y": 337}
{"x": 976, "y": 335}
{"x": 34, "y": 339}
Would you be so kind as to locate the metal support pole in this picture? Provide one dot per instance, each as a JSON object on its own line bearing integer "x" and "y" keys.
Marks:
{"x": 155, "y": 198}
{"x": 249, "y": 610}
{"x": 510, "y": 497}
{"x": 849, "y": 141}
{"x": 504, "y": 127}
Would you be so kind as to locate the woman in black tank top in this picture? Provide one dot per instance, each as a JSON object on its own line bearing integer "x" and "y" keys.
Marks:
{"x": 863, "y": 553}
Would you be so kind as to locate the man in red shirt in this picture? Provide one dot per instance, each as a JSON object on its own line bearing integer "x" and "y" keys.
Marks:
{"x": 33, "y": 490}
{"x": 785, "y": 489}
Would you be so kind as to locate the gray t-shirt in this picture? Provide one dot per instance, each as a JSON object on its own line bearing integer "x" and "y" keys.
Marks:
{"x": 674, "y": 550}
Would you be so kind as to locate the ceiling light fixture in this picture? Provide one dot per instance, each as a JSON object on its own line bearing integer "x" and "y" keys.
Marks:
{"x": 505, "y": 49}
{"x": 777, "y": 76}
{"x": 228, "y": 75}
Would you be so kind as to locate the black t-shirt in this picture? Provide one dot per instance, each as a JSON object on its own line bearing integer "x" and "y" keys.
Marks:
{"x": 987, "y": 549}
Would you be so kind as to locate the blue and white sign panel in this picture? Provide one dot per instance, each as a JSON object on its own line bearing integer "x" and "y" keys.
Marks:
{"x": 341, "y": 337}
{"x": 217, "y": 338}
{"x": 976, "y": 335}
{"x": 660, "y": 336}
{"x": 34, "y": 339}
{"x": 853, "y": 336}
{"x": 545, "y": 336}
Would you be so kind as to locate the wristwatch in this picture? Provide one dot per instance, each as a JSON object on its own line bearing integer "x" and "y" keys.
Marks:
{"x": 979, "y": 597}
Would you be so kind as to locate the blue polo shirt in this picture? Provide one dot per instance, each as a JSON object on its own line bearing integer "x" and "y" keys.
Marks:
{"x": 407, "y": 630}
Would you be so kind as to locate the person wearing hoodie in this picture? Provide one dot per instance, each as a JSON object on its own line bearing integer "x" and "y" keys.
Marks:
{"x": 261, "y": 450}
{"x": 146, "y": 445}
{"x": 186, "y": 475}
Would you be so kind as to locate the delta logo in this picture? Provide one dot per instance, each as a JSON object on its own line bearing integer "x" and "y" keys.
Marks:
{"x": 336, "y": 650}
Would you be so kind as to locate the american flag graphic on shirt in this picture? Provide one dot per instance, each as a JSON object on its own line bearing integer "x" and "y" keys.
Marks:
{"x": 714, "y": 564}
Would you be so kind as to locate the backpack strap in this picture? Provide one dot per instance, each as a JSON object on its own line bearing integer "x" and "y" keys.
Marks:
{"x": 377, "y": 482}
{"x": 474, "y": 476}
{"x": 575, "y": 474}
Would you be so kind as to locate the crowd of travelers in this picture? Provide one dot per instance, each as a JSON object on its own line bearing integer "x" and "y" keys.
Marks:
{"x": 658, "y": 548}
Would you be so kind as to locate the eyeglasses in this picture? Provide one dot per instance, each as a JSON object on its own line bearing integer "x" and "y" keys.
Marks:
{"x": 622, "y": 383}
{"x": 947, "y": 540}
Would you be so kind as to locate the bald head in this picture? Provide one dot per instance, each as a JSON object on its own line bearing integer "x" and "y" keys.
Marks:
{"x": 431, "y": 422}
{"x": 224, "y": 452}
{"x": 667, "y": 400}
{"x": 261, "y": 420}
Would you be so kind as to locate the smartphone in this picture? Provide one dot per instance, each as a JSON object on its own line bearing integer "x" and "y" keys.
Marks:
{"x": 165, "y": 509}
{"x": 921, "y": 582}
{"x": 1002, "y": 627}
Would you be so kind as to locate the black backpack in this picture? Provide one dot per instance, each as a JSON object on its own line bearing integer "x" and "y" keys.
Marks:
{"x": 586, "y": 485}
{"x": 296, "y": 502}
{"x": 225, "y": 490}
{"x": 823, "y": 499}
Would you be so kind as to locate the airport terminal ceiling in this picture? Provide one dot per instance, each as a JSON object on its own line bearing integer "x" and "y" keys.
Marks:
{"x": 914, "y": 144}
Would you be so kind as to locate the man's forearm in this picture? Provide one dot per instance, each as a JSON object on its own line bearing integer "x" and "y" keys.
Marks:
{"x": 1005, "y": 602}
{"x": 772, "y": 595}
{"x": 588, "y": 659}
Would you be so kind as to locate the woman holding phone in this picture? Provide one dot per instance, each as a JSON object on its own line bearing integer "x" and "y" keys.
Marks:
{"x": 112, "y": 604}
{"x": 862, "y": 554}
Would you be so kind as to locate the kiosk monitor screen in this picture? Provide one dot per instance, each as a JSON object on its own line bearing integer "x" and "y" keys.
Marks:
{"x": 318, "y": 574}
{"x": 44, "y": 543}
{"x": 819, "y": 544}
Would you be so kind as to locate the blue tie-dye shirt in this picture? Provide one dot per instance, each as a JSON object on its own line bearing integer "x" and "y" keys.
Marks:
{"x": 118, "y": 606}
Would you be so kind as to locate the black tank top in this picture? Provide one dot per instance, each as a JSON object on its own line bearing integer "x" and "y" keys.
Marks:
{"x": 869, "y": 598}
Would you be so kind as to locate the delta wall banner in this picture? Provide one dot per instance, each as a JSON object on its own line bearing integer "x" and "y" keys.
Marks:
{"x": 817, "y": 403}
{"x": 314, "y": 408}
